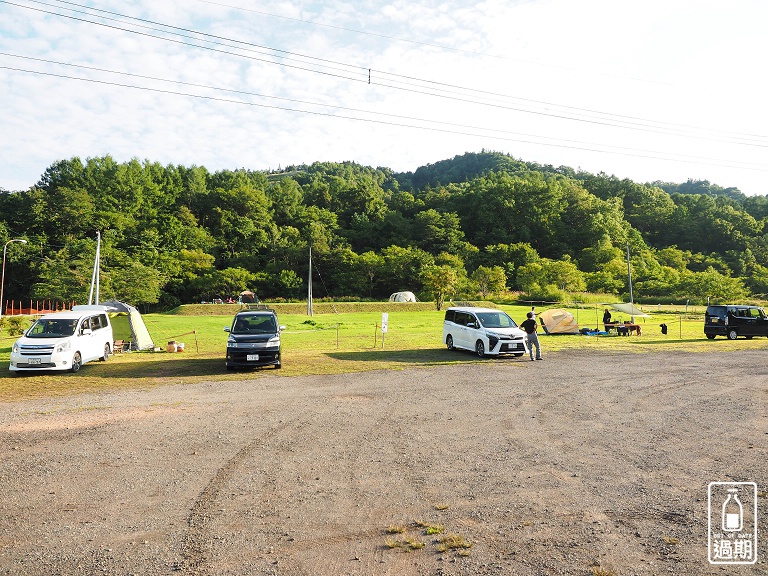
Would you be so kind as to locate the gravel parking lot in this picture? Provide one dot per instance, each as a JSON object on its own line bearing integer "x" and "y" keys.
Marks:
{"x": 585, "y": 463}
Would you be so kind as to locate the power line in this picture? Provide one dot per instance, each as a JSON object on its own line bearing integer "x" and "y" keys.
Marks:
{"x": 425, "y": 87}
{"x": 420, "y": 42}
{"x": 637, "y": 153}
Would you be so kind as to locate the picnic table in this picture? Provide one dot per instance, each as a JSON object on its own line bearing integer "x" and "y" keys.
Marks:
{"x": 624, "y": 328}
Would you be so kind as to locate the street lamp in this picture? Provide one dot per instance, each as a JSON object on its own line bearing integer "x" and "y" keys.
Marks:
{"x": 2, "y": 282}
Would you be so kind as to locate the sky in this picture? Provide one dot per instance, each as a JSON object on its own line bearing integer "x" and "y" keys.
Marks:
{"x": 651, "y": 90}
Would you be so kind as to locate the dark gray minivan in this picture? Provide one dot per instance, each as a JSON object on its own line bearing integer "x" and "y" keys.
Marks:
{"x": 254, "y": 339}
{"x": 734, "y": 320}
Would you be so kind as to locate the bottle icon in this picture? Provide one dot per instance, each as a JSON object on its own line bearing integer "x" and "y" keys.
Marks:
{"x": 733, "y": 513}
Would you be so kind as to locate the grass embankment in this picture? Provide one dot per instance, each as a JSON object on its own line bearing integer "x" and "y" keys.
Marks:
{"x": 332, "y": 343}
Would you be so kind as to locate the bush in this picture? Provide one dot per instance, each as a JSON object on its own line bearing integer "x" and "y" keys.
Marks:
{"x": 548, "y": 293}
{"x": 14, "y": 325}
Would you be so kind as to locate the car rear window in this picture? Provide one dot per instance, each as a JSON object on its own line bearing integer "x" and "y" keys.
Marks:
{"x": 254, "y": 324}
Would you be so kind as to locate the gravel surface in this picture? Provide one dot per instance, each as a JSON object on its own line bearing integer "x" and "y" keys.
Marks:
{"x": 584, "y": 463}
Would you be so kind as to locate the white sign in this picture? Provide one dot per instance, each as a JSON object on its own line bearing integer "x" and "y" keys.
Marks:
{"x": 384, "y": 322}
{"x": 732, "y": 508}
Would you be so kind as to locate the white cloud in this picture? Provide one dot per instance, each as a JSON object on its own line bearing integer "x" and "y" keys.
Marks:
{"x": 686, "y": 62}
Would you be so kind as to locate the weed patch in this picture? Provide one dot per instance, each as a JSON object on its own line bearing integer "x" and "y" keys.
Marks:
{"x": 453, "y": 542}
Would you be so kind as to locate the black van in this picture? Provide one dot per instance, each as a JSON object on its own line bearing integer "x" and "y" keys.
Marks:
{"x": 734, "y": 320}
{"x": 254, "y": 339}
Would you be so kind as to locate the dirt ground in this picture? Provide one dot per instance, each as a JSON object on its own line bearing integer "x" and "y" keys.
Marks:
{"x": 584, "y": 463}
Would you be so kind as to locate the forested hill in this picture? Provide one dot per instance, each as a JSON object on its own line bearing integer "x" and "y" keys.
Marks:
{"x": 472, "y": 226}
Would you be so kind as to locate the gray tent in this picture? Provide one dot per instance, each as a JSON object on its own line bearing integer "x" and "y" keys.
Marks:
{"x": 139, "y": 335}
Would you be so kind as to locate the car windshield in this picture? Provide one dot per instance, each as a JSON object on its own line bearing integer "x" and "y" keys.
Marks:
{"x": 256, "y": 324}
{"x": 496, "y": 320}
{"x": 52, "y": 328}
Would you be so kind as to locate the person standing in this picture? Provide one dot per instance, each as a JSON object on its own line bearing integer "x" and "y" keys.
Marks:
{"x": 532, "y": 338}
{"x": 606, "y": 319}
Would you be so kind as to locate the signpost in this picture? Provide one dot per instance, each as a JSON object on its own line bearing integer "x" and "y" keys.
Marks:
{"x": 384, "y": 323}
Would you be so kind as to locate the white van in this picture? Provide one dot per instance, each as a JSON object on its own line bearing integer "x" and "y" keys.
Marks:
{"x": 483, "y": 330}
{"x": 64, "y": 340}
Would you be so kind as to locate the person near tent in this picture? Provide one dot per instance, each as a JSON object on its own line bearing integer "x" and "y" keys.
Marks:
{"x": 606, "y": 319}
{"x": 532, "y": 338}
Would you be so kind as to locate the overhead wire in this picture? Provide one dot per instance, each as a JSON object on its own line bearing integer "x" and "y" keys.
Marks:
{"x": 426, "y": 87}
{"x": 418, "y": 85}
{"x": 589, "y": 147}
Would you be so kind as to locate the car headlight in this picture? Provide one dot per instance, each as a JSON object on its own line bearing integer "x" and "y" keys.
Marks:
{"x": 274, "y": 340}
{"x": 15, "y": 347}
{"x": 64, "y": 346}
{"x": 231, "y": 342}
{"x": 493, "y": 335}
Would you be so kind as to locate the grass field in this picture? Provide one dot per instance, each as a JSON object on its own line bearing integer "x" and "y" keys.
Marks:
{"x": 332, "y": 343}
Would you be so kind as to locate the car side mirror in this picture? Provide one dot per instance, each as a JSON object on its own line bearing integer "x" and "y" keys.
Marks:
{"x": 86, "y": 331}
{"x": 471, "y": 325}
{"x": 281, "y": 328}
{"x": 226, "y": 329}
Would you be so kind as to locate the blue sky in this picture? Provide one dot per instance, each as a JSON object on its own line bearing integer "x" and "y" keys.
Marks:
{"x": 653, "y": 90}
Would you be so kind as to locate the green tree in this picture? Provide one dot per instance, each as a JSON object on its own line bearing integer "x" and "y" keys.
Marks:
{"x": 439, "y": 282}
{"x": 221, "y": 283}
{"x": 701, "y": 286}
{"x": 370, "y": 266}
{"x": 133, "y": 283}
{"x": 438, "y": 232}
{"x": 489, "y": 280}
{"x": 403, "y": 267}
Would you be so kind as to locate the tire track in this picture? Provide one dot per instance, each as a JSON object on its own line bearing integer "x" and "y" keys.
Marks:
{"x": 196, "y": 543}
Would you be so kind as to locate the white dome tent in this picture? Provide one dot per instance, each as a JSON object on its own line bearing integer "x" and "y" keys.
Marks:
{"x": 403, "y": 297}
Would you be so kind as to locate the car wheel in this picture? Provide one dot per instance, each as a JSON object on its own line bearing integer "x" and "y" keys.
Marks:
{"x": 106, "y": 353}
{"x": 748, "y": 337}
{"x": 711, "y": 336}
{"x": 449, "y": 342}
{"x": 480, "y": 349}
{"x": 732, "y": 335}
{"x": 517, "y": 355}
{"x": 77, "y": 362}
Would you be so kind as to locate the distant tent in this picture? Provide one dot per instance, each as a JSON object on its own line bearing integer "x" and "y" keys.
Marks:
{"x": 558, "y": 321}
{"x": 248, "y": 297}
{"x": 630, "y": 309}
{"x": 403, "y": 297}
{"x": 129, "y": 321}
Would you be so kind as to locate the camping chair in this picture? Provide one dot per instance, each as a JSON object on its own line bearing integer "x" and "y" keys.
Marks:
{"x": 118, "y": 347}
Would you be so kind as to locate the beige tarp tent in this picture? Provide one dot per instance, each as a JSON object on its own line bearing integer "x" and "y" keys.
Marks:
{"x": 558, "y": 321}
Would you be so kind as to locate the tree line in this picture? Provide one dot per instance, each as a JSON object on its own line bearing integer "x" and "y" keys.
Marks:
{"x": 476, "y": 225}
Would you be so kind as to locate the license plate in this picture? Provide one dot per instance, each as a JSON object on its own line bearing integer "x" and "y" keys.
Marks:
{"x": 33, "y": 361}
{"x": 252, "y": 357}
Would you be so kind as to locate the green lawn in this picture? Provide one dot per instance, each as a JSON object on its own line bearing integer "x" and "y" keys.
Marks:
{"x": 335, "y": 343}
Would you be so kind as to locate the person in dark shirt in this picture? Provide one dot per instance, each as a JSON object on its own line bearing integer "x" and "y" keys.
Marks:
{"x": 606, "y": 319}
{"x": 530, "y": 327}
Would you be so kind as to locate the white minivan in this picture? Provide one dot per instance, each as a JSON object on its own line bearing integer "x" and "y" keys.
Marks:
{"x": 483, "y": 330}
{"x": 64, "y": 340}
